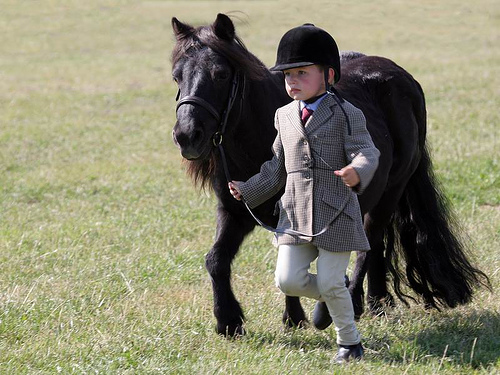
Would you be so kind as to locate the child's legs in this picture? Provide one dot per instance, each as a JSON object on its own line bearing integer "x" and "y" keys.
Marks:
{"x": 332, "y": 268}
{"x": 292, "y": 270}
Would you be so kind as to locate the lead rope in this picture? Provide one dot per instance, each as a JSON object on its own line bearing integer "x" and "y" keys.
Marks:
{"x": 291, "y": 232}
{"x": 217, "y": 139}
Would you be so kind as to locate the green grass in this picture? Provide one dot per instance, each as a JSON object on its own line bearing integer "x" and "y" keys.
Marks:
{"x": 102, "y": 236}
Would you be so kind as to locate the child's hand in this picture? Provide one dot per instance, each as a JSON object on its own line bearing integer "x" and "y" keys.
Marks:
{"x": 234, "y": 189}
{"x": 349, "y": 176}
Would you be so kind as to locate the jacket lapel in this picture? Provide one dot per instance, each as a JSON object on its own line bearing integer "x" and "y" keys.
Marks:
{"x": 323, "y": 113}
{"x": 293, "y": 115}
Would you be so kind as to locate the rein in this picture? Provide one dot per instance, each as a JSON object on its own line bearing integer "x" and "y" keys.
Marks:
{"x": 217, "y": 138}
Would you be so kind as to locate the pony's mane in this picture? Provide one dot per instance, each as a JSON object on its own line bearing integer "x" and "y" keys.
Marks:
{"x": 350, "y": 55}
{"x": 234, "y": 51}
{"x": 202, "y": 171}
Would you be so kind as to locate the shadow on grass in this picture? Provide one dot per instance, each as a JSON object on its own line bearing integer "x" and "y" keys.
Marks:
{"x": 293, "y": 338}
{"x": 459, "y": 339}
{"x": 471, "y": 338}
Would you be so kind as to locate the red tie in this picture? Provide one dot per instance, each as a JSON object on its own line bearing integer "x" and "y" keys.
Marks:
{"x": 306, "y": 113}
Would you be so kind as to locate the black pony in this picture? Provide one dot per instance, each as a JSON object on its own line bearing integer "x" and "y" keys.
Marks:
{"x": 405, "y": 214}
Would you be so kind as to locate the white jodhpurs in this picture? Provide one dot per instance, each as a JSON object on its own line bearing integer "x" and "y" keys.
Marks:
{"x": 293, "y": 278}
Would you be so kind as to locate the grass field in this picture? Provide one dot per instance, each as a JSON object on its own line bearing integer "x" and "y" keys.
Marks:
{"x": 102, "y": 236}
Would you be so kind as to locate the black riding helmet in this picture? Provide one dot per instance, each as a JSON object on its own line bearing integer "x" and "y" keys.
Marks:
{"x": 307, "y": 45}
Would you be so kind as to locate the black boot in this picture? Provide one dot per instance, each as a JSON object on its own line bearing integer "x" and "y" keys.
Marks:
{"x": 321, "y": 317}
{"x": 348, "y": 352}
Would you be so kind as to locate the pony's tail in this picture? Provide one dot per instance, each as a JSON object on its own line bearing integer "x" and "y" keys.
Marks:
{"x": 424, "y": 234}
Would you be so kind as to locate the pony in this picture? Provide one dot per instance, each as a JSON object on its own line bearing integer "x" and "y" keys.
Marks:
{"x": 225, "y": 128}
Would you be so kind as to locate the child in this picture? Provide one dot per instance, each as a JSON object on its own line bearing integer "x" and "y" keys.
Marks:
{"x": 308, "y": 155}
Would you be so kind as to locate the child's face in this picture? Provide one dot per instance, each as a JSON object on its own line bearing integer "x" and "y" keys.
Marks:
{"x": 304, "y": 82}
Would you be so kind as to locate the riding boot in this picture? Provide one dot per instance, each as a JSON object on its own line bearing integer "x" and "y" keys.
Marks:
{"x": 347, "y": 352}
{"x": 321, "y": 317}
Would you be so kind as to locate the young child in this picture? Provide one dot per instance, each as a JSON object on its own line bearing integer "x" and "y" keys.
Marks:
{"x": 323, "y": 159}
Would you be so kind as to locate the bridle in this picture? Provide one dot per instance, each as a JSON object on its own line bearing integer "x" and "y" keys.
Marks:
{"x": 217, "y": 138}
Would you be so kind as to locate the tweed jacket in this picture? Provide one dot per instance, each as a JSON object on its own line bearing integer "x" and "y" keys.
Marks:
{"x": 305, "y": 157}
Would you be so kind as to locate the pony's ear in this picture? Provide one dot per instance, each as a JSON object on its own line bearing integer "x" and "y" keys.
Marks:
{"x": 223, "y": 27}
{"x": 181, "y": 30}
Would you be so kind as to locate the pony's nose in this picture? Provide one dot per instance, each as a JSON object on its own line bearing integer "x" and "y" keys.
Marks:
{"x": 197, "y": 136}
{"x": 190, "y": 142}
{"x": 187, "y": 138}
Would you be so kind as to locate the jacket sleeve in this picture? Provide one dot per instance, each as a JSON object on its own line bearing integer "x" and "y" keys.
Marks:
{"x": 270, "y": 179}
{"x": 360, "y": 150}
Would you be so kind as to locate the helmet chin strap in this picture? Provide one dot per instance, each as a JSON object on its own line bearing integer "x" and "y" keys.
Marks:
{"x": 330, "y": 89}
{"x": 326, "y": 72}
{"x": 339, "y": 99}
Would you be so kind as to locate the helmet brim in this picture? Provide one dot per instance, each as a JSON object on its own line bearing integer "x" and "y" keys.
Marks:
{"x": 281, "y": 67}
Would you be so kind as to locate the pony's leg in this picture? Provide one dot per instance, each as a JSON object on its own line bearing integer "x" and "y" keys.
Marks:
{"x": 231, "y": 231}
{"x": 378, "y": 297}
{"x": 372, "y": 263}
{"x": 356, "y": 285}
{"x": 294, "y": 315}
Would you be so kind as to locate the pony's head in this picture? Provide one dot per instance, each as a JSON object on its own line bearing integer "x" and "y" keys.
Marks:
{"x": 204, "y": 61}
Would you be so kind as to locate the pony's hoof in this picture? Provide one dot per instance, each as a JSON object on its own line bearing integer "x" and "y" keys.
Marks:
{"x": 379, "y": 306}
{"x": 231, "y": 330}
{"x": 298, "y": 322}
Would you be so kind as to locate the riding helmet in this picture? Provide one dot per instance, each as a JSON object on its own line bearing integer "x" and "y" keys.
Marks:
{"x": 307, "y": 45}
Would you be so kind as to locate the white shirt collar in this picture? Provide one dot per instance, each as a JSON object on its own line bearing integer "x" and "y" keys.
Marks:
{"x": 312, "y": 106}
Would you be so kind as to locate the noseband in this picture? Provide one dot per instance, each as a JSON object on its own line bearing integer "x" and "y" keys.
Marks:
{"x": 191, "y": 99}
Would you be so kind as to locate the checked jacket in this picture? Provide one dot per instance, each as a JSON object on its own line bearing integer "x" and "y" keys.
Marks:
{"x": 305, "y": 157}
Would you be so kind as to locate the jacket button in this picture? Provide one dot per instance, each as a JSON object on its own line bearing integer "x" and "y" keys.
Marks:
{"x": 307, "y": 176}
{"x": 304, "y": 142}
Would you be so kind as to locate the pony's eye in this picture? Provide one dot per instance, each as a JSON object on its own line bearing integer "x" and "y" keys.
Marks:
{"x": 221, "y": 75}
{"x": 177, "y": 75}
